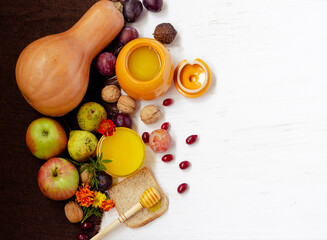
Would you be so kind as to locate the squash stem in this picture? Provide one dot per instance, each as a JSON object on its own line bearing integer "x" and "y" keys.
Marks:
{"x": 119, "y": 6}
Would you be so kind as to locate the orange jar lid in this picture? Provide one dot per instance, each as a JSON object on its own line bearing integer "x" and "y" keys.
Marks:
{"x": 192, "y": 79}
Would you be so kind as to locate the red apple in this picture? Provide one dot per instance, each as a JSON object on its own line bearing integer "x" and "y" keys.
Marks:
{"x": 46, "y": 138}
{"x": 58, "y": 179}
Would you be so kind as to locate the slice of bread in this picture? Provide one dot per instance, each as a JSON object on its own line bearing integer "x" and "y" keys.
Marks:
{"x": 128, "y": 192}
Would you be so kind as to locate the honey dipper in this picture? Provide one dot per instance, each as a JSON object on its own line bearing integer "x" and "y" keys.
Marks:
{"x": 148, "y": 199}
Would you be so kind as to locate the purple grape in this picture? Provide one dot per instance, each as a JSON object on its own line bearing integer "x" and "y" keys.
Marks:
{"x": 123, "y": 120}
{"x": 106, "y": 63}
{"x": 127, "y": 35}
{"x": 105, "y": 181}
{"x": 153, "y": 5}
{"x": 132, "y": 10}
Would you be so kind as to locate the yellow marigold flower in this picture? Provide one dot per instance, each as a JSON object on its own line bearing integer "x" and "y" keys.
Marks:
{"x": 84, "y": 195}
{"x": 99, "y": 198}
{"x": 107, "y": 205}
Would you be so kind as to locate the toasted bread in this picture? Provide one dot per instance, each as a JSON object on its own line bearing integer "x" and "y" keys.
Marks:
{"x": 128, "y": 192}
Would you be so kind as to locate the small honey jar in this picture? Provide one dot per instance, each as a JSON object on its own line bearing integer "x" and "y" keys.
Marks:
{"x": 144, "y": 69}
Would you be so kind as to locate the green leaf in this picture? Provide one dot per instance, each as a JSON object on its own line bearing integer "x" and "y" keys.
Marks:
{"x": 102, "y": 167}
{"x": 77, "y": 164}
{"x": 92, "y": 161}
{"x": 106, "y": 161}
{"x": 98, "y": 214}
{"x": 88, "y": 212}
{"x": 83, "y": 168}
{"x": 95, "y": 182}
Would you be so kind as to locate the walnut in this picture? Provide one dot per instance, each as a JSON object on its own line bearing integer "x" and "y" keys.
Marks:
{"x": 150, "y": 114}
{"x": 73, "y": 212}
{"x": 165, "y": 33}
{"x": 126, "y": 104}
{"x": 86, "y": 176}
{"x": 110, "y": 93}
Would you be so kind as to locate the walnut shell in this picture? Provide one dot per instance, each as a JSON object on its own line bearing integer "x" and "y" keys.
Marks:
{"x": 126, "y": 104}
{"x": 73, "y": 212}
{"x": 150, "y": 114}
{"x": 110, "y": 93}
{"x": 86, "y": 176}
{"x": 165, "y": 33}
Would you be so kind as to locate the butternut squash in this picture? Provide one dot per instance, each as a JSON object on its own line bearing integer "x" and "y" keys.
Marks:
{"x": 52, "y": 73}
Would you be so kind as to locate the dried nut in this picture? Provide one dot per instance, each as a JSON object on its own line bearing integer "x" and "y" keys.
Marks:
{"x": 150, "y": 114}
{"x": 110, "y": 93}
{"x": 126, "y": 104}
{"x": 165, "y": 33}
{"x": 73, "y": 212}
{"x": 86, "y": 176}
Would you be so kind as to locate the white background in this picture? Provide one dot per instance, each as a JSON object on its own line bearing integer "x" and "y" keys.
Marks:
{"x": 259, "y": 168}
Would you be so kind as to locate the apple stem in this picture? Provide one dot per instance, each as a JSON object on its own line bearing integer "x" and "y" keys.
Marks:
{"x": 55, "y": 172}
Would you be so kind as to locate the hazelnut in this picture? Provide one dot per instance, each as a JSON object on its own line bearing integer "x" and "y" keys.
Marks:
{"x": 110, "y": 93}
{"x": 126, "y": 104}
{"x": 150, "y": 114}
{"x": 73, "y": 212}
{"x": 85, "y": 176}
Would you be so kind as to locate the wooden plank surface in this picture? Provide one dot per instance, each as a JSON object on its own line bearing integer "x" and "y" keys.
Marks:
{"x": 259, "y": 169}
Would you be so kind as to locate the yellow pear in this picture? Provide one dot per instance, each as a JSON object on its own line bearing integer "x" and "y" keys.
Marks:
{"x": 90, "y": 116}
{"x": 81, "y": 145}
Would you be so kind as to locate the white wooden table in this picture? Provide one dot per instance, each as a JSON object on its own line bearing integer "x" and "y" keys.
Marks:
{"x": 259, "y": 168}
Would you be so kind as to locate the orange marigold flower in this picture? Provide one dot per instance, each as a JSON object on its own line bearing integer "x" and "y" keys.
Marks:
{"x": 84, "y": 195}
{"x": 107, "y": 127}
{"x": 107, "y": 205}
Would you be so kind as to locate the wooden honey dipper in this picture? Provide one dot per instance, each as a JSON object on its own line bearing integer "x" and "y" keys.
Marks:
{"x": 148, "y": 199}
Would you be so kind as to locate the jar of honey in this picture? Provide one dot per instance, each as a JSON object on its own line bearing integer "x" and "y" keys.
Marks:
{"x": 144, "y": 69}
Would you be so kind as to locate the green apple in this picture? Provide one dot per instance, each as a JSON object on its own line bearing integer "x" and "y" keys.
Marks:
{"x": 90, "y": 115}
{"x": 58, "y": 179}
{"x": 46, "y": 138}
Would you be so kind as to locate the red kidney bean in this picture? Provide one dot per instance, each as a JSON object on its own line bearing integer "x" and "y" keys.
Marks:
{"x": 182, "y": 188}
{"x": 167, "y": 158}
{"x": 167, "y": 102}
{"x": 165, "y": 125}
{"x": 184, "y": 164}
{"x": 86, "y": 225}
{"x": 82, "y": 236}
{"x": 145, "y": 137}
{"x": 191, "y": 139}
